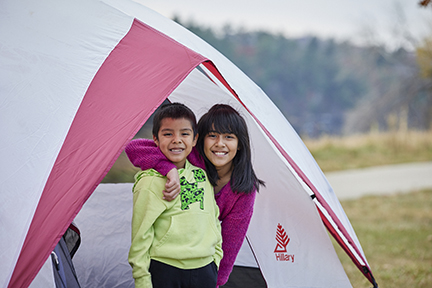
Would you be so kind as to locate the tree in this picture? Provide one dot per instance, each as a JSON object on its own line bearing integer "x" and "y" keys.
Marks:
{"x": 424, "y": 58}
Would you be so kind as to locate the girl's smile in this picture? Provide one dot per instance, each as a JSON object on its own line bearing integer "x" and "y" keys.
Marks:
{"x": 221, "y": 149}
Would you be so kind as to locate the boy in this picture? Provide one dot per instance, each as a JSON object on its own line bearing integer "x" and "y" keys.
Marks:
{"x": 177, "y": 243}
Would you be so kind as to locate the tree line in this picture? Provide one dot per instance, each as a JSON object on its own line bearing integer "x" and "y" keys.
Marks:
{"x": 323, "y": 86}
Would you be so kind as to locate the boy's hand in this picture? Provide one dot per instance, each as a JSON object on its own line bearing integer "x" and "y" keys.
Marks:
{"x": 172, "y": 186}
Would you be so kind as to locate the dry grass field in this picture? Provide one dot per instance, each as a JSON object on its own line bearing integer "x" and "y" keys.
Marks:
{"x": 374, "y": 149}
{"x": 396, "y": 235}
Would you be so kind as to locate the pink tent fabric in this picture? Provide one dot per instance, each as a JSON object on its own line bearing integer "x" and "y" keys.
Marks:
{"x": 121, "y": 96}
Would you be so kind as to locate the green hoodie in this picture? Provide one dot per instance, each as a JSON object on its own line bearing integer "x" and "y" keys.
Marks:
{"x": 184, "y": 233}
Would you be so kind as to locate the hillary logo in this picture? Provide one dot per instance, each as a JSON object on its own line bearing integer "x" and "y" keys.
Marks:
{"x": 282, "y": 241}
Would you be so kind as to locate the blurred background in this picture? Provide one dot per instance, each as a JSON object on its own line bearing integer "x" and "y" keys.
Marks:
{"x": 337, "y": 68}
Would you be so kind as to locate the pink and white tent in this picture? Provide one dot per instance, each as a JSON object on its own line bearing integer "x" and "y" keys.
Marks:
{"x": 78, "y": 80}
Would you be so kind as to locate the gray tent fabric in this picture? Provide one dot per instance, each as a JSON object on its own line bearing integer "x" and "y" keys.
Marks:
{"x": 105, "y": 225}
{"x": 72, "y": 239}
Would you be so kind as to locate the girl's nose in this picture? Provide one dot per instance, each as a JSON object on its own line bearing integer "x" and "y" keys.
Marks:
{"x": 220, "y": 141}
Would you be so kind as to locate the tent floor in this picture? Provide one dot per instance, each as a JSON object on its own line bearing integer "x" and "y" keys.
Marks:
{"x": 245, "y": 277}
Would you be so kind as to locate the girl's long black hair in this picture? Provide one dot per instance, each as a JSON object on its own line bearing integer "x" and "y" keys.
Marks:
{"x": 223, "y": 118}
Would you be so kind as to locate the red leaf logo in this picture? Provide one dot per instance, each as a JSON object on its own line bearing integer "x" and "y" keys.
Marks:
{"x": 282, "y": 240}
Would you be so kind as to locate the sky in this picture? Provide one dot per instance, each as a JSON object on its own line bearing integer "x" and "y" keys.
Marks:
{"x": 359, "y": 21}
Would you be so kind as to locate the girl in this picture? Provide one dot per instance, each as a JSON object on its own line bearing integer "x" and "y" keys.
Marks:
{"x": 223, "y": 149}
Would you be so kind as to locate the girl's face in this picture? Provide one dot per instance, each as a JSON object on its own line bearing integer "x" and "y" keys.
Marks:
{"x": 221, "y": 149}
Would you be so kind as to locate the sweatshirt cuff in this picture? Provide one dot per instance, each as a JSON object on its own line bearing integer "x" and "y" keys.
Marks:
{"x": 143, "y": 282}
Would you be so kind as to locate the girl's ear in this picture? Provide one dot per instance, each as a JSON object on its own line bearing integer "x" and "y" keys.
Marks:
{"x": 156, "y": 140}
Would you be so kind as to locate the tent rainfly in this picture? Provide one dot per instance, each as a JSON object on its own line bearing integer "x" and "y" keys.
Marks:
{"x": 78, "y": 80}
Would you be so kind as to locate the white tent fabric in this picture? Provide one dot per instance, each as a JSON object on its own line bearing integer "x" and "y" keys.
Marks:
{"x": 41, "y": 91}
{"x": 73, "y": 94}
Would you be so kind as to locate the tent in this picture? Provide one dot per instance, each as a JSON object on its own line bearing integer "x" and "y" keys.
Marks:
{"x": 78, "y": 80}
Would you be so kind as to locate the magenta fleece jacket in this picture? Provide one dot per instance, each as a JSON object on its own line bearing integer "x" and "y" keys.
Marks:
{"x": 235, "y": 208}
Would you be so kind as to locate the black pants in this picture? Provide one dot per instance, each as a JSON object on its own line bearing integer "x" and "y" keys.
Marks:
{"x": 167, "y": 276}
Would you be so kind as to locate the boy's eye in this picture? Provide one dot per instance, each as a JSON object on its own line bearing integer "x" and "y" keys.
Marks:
{"x": 167, "y": 134}
{"x": 185, "y": 133}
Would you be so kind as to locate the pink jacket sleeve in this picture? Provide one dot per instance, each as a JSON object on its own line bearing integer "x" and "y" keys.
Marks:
{"x": 144, "y": 153}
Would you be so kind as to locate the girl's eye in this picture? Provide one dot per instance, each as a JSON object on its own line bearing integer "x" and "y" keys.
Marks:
{"x": 211, "y": 135}
{"x": 230, "y": 136}
{"x": 185, "y": 134}
{"x": 167, "y": 134}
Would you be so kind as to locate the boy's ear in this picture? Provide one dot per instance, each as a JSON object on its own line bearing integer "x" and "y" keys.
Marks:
{"x": 195, "y": 140}
{"x": 156, "y": 140}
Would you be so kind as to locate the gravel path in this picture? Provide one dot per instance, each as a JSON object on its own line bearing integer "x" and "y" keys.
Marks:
{"x": 401, "y": 178}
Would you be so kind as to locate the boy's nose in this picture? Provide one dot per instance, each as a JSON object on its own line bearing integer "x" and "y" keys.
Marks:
{"x": 177, "y": 139}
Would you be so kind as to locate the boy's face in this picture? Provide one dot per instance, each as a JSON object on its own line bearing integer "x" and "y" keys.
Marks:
{"x": 176, "y": 140}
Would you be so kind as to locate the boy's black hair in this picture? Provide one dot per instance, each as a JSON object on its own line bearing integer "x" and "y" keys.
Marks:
{"x": 174, "y": 111}
{"x": 223, "y": 118}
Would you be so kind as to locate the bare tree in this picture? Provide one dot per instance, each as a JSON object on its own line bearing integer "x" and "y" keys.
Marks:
{"x": 409, "y": 99}
{"x": 425, "y": 3}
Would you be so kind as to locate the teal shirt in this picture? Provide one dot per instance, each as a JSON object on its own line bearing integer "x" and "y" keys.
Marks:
{"x": 184, "y": 233}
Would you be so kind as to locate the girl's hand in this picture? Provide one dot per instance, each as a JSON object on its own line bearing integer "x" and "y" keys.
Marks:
{"x": 172, "y": 186}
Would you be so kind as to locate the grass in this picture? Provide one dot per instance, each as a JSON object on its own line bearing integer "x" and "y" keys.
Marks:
{"x": 374, "y": 149}
{"x": 396, "y": 235}
{"x": 122, "y": 171}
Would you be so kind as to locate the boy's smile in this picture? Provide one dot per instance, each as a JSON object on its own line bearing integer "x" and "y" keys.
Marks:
{"x": 176, "y": 140}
